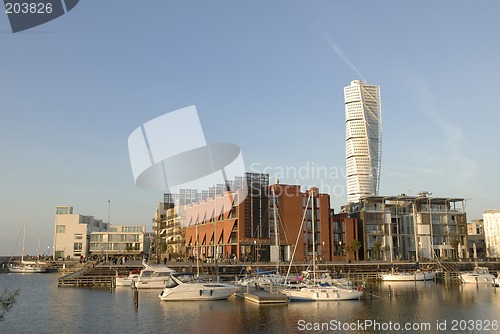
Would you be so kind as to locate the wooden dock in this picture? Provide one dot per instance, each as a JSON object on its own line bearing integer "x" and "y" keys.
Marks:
{"x": 262, "y": 296}
{"x": 89, "y": 277}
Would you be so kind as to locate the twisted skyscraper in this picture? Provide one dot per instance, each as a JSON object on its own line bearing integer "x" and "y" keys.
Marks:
{"x": 363, "y": 127}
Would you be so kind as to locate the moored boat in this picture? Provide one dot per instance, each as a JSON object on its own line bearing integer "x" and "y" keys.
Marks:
{"x": 189, "y": 287}
{"x": 416, "y": 275}
{"x": 27, "y": 267}
{"x": 153, "y": 277}
{"x": 480, "y": 275}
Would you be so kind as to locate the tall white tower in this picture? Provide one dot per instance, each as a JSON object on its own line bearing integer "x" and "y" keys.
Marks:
{"x": 363, "y": 127}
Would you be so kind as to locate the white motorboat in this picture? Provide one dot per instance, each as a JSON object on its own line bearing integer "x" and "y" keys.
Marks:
{"x": 416, "y": 275}
{"x": 153, "y": 277}
{"x": 188, "y": 286}
{"x": 122, "y": 280}
{"x": 480, "y": 275}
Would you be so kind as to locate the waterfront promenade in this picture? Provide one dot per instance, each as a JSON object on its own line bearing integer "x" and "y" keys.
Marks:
{"x": 356, "y": 270}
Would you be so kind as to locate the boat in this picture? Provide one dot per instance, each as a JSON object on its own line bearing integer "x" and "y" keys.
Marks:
{"x": 153, "y": 277}
{"x": 314, "y": 289}
{"x": 122, "y": 280}
{"x": 416, "y": 275}
{"x": 189, "y": 287}
{"x": 27, "y": 267}
{"x": 480, "y": 275}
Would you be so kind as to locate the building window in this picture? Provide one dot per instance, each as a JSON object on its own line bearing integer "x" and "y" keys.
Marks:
{"x": 77, "y": 246}
{"x": 78, "y": 237}
{"x": 61, "y": 229}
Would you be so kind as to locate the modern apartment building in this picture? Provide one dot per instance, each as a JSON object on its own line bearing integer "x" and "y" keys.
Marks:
{"x": 77, "y": 235}
{"x": 363, "y": 123}
{"x": 118, "y": 241}
{"x": 72, "y": 233}
{"x": 234, "y": 223}
{"x": 491, "y": 220}
{"x": 169, "y": 231}
{"x": 291, "y": 219}
{"x": 411, "y": 227}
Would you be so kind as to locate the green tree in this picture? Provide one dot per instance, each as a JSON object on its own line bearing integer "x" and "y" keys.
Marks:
{"x": 7, "y": 300}
{"x": 377, "y": 247}
{"x": 355, "y": 246}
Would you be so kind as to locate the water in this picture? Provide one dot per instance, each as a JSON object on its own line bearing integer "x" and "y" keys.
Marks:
{"x": 43, "y": 307}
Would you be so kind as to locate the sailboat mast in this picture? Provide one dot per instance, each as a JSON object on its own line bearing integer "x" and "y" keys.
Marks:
{"x": 197, "y": 256}
{"x": 24, "y": 240}
{"x": 313, "y": 226}
{"x": 276, "y": 236}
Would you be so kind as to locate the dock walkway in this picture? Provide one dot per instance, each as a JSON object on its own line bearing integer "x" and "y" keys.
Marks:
{"x": 262, "y": 296}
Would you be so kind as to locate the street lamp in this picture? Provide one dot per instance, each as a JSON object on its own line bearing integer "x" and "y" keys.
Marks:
{"x": 341, "y": 250}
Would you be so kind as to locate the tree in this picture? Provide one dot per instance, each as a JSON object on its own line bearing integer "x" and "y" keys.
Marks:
{"x": 454, "y": 244}
{"x": 377, "y": 247}
{"x": 6, "y": 302}
{"x": 355, "y": 246}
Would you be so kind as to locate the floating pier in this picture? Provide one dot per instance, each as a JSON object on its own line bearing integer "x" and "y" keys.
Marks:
{"x": 262, "y": 296}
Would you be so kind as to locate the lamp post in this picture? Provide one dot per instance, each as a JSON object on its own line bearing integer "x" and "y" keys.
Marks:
{"x": 341, "y": 250}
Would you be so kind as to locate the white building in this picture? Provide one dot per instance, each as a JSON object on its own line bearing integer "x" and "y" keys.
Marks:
{"x": 78, "y": 235}
{"x": 491, "y": 219}
{"x": 363, "y": 115}
{"x": 72, "y": 233}
{"x": 118, "y": 240}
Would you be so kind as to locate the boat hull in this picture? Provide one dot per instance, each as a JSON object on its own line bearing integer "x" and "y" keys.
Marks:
{"x": 477, "y": 279}
{"x": 198, "y": 292}
{"x": 322, "y": 294}
{"x": 408, "y": 277}
{"x": 26, "y": 269}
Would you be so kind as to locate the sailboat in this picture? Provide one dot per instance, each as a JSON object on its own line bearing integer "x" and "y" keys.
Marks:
{"x": 315, "y": 290}
{"x": 27, "y": 266}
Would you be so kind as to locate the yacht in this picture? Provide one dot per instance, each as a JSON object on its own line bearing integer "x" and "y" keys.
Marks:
{"x": 188, "y": 286}
{"x": 127, "y": 280}
{"x": 480, "y": 275}
{"x": 27, "y": 267}
{"x": 153, "y": 277}
{"x": 416, "y": 275}
{"x": 323, "y": 292}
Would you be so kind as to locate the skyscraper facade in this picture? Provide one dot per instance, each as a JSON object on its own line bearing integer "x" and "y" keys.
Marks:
{"x": 363, "y": 126}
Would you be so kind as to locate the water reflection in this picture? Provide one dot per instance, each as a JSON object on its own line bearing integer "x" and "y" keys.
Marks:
{"x": 45, "y": 308}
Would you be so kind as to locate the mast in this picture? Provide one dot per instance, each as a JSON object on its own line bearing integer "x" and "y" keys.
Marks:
{"x": 38, "y": 253}
{"x": 276, "y": 236}
{"x": 313, "y": 226}
{"x": 24, "y": 240}
{"x": 197, "y": 256}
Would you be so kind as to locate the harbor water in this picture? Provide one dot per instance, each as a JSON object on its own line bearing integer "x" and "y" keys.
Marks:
{"x": 412, "y": 307}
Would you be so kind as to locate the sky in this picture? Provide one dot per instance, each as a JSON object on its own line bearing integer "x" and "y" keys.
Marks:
{"x": 266, "y": 76}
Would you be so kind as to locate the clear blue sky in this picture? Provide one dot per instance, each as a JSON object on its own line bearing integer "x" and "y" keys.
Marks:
{"x": 265, "y": 76}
